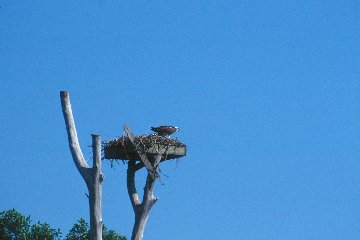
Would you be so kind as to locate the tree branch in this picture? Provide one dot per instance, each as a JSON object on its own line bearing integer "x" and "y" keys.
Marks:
{"x": 74, "y": 145}
{"x": 141, "y": 210}
{"x": 141, "y": 152}
{"x": 134, "y": 197}
{"x": 92, "y": 176}
{"x": 149, "y": 199}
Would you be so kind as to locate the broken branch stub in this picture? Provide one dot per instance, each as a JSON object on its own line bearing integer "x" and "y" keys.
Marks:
{"x": 139, "y": 149}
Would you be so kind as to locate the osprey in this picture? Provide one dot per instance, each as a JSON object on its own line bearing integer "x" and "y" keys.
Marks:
{"x": 165, "y": 130}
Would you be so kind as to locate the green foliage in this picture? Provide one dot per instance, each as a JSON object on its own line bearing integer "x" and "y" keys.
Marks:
{"x": 112, "y": 235}
{"x": 40, "y": 231}
{"x": 81, "y": 231}
{"x": 15, "y": 226}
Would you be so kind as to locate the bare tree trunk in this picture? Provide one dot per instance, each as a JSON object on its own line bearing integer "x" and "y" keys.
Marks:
{"x": 92, "y": 176}
{"x": 141, "y": 209}
{"x": 95, "y": 190}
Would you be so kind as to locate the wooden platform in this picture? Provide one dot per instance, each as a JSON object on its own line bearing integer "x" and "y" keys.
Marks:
{"x": 122, "y": 148}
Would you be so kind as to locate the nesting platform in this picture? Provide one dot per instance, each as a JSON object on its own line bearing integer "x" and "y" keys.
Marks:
{"x": 123, "y": 149}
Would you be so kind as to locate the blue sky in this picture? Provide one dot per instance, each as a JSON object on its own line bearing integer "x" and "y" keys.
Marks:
{"x": 266, "y": 94}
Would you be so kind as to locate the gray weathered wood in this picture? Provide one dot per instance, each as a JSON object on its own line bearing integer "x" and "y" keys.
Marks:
{"x": 75, "y": 149}
{"x": 140, "y": 151}
{"x": 171, "y": 150}
{"x": 95, "y": 190}
{"x": 92, "y": 176}
{"x": 141, "y": 209}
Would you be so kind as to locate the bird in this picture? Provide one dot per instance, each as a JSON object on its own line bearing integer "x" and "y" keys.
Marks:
{"x": 165, "y": 130}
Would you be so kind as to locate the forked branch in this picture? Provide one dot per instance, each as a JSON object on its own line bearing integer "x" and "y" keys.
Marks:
{"x": 141, "y": 209}
{"x": 92, "y": 176}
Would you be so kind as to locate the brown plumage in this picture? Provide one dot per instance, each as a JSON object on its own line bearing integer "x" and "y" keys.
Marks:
{"x": 165, "y": 130}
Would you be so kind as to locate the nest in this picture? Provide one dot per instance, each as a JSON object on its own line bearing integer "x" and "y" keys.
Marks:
{"x": 152, "y": 144}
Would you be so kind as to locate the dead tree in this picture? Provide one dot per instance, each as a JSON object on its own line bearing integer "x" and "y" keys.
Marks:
{"x": 92, "y": 176}
{"x": 141, "y": 209}
{"x": 142, "y": 151}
